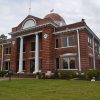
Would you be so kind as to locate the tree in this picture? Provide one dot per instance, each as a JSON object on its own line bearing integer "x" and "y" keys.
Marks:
{"x": 3, "y": 38}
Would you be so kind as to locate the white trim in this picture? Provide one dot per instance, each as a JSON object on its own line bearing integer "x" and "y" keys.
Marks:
{"x": 92, "y": 33}
{"x": 67, "y": 40}
{"x": 29, "y": 34}
{"x": 69, "y": 46}
{"x": 79, "y": 50}
{"x": 5, "y": 43}
{"x": 66, "y": 47}
{"x": 68, "y": 30}
{"x": 33, "y": 58}
{"x": 67, "y": 69}
{"x": 68, "y": 54}
{"x": 7, "y": 54}
{"x": 68, "y": 62}
{"x": 51, "y": 23}
{"x": 6, "y": 60}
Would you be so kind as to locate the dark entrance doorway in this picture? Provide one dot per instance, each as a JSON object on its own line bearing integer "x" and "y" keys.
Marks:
{"x": 32, "y": 65}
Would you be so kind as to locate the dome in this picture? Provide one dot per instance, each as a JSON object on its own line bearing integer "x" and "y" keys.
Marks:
{"x": 56, "y": 18}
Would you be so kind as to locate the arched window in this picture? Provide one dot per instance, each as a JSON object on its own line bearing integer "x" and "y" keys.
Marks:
{"x": 29, "y": 23}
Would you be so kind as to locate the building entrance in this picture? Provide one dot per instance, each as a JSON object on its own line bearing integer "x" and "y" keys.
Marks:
{"x": 32, "y": 65}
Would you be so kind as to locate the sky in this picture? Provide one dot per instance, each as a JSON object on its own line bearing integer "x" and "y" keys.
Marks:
{"x": 12, "y": 12}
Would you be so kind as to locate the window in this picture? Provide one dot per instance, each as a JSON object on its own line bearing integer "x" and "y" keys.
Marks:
{"x": 72, "y": 62}
{"x": 71, "y": 41}
{"x": 56, "y": 43}
{"x": 90, "y": 41}
{"x": 40, "y": 63}
{"x": 68, "y": 41}
{"x": 23, "y": 65}
{"x": 65, "y": 63}
{"x": 64, "y": 41}
{"x": 8, "y": 50}
{"x": 69, "y": 62}
{"x": 24, "y": 47}
{"x": 57, "y": 63}
{"x": 18, "y": 45}
{"x": 33, "y": 46}
{"x": 32, "y": 65}
{"x": 97, "y": 47}
{"x": 7, "y": 65}
{"x": 29, "y": 23}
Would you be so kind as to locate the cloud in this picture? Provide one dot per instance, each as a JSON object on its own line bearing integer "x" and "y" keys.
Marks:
{"x": 14, "y": 11}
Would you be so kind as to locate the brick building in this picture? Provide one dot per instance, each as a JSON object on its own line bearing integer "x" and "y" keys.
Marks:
{"x": 50, "y": 44}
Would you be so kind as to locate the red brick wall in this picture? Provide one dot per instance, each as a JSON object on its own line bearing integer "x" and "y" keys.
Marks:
{"x": 48, "y": 50}
{"x": 49, "y": 53}
{"x": 83, "y": 36}
{"x": 13, "y": 55}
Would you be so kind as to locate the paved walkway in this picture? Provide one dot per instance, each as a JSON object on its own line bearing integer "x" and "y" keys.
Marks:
{"x": 7, "y": 78}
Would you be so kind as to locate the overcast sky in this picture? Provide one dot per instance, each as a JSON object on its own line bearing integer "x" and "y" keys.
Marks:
{"x": 12, "y": 12}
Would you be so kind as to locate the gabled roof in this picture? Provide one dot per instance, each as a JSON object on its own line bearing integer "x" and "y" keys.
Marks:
{"x": 28, "y": 17}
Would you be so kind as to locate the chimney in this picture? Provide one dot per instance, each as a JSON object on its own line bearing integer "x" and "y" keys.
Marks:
{"x": 83, "y": 20}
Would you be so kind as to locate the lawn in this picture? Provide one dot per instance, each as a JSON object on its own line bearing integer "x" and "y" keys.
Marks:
{"x": 29, "y": 89}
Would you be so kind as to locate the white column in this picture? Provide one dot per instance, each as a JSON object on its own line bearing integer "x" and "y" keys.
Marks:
{"x": 21, "y": 56}
{"x": 93, "y": 55}
{"x": 79, "y": 50}
{"x": 36, "y": 54}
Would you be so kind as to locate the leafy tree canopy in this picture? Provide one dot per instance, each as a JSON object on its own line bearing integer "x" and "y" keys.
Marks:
{"x": 3, "y": 38}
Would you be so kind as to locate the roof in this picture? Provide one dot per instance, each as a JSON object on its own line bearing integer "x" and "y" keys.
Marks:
{"x": 55, "y": 17}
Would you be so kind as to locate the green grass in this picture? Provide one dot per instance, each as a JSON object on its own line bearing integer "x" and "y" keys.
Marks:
{"x": 49, "y": 90}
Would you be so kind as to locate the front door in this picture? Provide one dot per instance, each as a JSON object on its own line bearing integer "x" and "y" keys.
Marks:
{"x": 32, "y": 65}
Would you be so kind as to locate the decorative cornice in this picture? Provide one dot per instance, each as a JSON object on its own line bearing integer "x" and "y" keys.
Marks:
{"x": 35, "y": 27}
{"x": 78, "y": 28}
{"x": 69, "y": 30}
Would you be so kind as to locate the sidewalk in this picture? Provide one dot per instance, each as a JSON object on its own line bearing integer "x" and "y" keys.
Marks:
{"x": 7, "y": 78}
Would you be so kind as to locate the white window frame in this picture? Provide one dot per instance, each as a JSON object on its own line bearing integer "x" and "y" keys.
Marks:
{"x": 67, "y": 40}
{"x": 68, "y": 57}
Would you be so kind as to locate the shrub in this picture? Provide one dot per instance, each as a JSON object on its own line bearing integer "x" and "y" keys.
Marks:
{"x": 3, "y": 73}
{"x": 41, "y": 75}
{"x": 67, "y": 74}
{"x": 92, "y": 73}
{"x": 81, "y": 76}
{"x": 56, "y": 75}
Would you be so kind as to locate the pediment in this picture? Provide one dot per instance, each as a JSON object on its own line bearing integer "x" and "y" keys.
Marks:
{"x": 29, "y": 21}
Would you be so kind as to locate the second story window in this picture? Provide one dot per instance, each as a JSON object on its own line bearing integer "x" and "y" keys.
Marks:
{"x": 33, "y": 46}
{"x": 90, "y": 41}
{"x": 8, "y": 50}
{"x": 68, "y": 41}
{"x": 96, "y": 47}
{"x": 71, "y": 41}
{"x": 56, "y": 43}
{"x": 24, "y": 47}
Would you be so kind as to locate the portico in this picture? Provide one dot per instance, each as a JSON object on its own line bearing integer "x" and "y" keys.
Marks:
{"x": 20, "y": 67}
